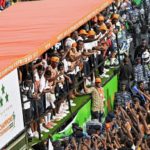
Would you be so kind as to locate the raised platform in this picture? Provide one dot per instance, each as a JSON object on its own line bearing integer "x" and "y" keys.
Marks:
{"x": 110, "y": 86}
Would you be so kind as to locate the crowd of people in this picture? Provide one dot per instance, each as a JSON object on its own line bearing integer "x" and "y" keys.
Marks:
{"x": 76, "y": 66}
{"x": 5, "y": 4}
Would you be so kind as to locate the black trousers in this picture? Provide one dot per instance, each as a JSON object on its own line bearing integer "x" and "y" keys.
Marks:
{"x": 97, "y": 115}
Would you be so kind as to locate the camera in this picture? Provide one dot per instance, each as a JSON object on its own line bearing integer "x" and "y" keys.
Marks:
{"x": 93, "y": 126}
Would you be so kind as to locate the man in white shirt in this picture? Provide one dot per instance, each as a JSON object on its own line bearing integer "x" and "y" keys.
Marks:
{"x": 43, "y": 89}
{"x": 72, "y": 39}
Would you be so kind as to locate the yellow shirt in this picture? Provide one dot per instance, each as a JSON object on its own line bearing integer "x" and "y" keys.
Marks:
{"x": 97, "y": 99}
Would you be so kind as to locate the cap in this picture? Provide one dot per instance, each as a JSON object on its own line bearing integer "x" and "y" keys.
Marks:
{"x": 115, "y": 16}
{"x": 103, "y": 27}
{"x": 98, "y": 80}
{"x": 82, "y": 31}
{"x": 101, "y": 18}
{"x": 91, "y": 33}
{"x": 55, "y": 59}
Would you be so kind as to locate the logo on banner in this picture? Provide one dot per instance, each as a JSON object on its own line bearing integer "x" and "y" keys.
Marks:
{"x": 9, "y": 119}
{"x": 4, "y": 97}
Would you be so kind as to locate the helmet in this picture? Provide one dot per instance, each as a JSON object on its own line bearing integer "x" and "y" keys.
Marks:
{"x": 146, "y": 57}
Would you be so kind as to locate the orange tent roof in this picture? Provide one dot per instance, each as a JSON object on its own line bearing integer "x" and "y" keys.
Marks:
{"x": 28, "y": 29}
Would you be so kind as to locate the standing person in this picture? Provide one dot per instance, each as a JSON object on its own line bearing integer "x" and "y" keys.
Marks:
{"x": 140, "y": 49}
{"x": 97, "y": 99}
{"x": 72, "y": 39}
{"x": 140, "y": 91}
{"x": 123, "y": 97}
{"x": 125, "y": 72}
{"x": 146, "y": 66}
{"x": 138, "y": 71}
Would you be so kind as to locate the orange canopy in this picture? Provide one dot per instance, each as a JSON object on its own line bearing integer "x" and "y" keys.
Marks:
{"x": 28, "y": 29}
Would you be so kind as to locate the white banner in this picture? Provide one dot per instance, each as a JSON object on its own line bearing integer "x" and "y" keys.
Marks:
{"x": 11, "y": 117}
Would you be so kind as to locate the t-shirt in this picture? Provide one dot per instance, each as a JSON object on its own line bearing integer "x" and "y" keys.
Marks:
{"x": 69, "y": 41}
{"x": 27, "y": 103}
{"x": 61, "y": 78}
{"x": 69, "y": 65}
{"x": 43, "y": 84}
{"x": 80, "y": 38}
{"x": 90, "y": 46}
{"x": 65, "y": 65}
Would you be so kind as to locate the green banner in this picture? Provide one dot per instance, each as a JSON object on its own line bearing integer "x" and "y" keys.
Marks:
{"x": 81, "y": 118}
{"x": 19, "y": 144}
{"x": 84, "y": 113}
{"x": 110, "y": 89}
{"x": 137, "y": 2}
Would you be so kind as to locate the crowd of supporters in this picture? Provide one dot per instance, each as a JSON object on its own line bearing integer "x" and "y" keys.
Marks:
{"x": 81, "y": 60}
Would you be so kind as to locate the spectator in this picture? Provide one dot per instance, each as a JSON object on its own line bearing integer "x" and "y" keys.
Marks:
{"x": 125, "y": 72}
{"x": 97, "y": 99}
{"x": 138, "y": 71}
{"x": 140, "y": 49}
{"x": 146, "y": 66}
{"x": 123, "y": 97}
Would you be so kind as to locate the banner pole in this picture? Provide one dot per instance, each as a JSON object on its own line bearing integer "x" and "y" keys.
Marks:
{"x": 118, "y": 50}
{"x": 25, "y": 129}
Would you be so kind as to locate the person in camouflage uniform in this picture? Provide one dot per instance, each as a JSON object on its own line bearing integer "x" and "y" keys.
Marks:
{"x": 146, "y": 65}
{"x": 138, "y": 71}
{"x": 123, "y": 97}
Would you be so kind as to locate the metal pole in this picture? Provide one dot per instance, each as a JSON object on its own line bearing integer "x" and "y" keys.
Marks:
{"x": 118, "y": 49}
{"x": 38, "y": 121}
{"x": 22, "y": 103}
{"x": 68, "y": 100}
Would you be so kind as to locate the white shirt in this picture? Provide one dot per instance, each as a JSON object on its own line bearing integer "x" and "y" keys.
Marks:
{"x": 77, "y": 69}
{"x": 65, "y": 65}
{"x": 57, "y": 45}
{"x": 27, "y": 105}
{"x": 72, "y": 72}
{"x": 61, "y": 78}
{"x": 36, "y": 76}
{"x": 80, "y": 38}
{"x": 69, "y": 41}
{"x": 90, "y": 45}
{"x": 43, "y": 84}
